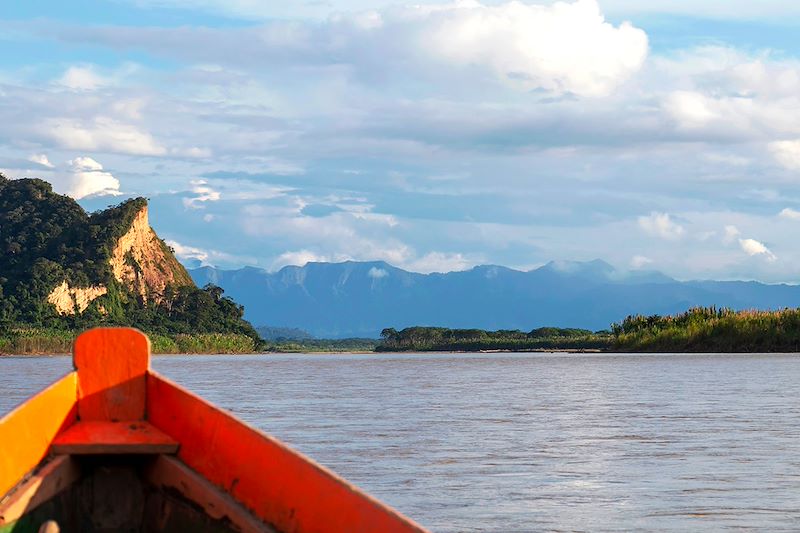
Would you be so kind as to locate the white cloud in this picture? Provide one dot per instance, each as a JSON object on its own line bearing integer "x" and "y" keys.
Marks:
{"x": 206, "y": 256}
{"x": 787, "y": 153}
{"x": 203, "y": 193}
{"x": 791, "y": 214}
{"x": 101, "y": 134}
{"x": 639, "y": 261}
{"x": 86, "y": 177}
{"x": 661, "y": 225}
{"x": 82, "y": 78}
{"x": 193, "y": 151}
{"x": 303, "y": 257}
{"x": 377, "y": 273}
{"x": 690, "y": 109}
{"x": 41, "y": 159}
{"x": 566, "y": 47}
{"x": 186, "y": 253}
{"x": 730, "y": 235}
{"x": 439, "y": 262}
{"x": 688, "y": 134}
{"x": 752, "y": 248}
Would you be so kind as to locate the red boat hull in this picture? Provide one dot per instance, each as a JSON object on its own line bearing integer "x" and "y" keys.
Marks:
{"x": 175, "y": 453}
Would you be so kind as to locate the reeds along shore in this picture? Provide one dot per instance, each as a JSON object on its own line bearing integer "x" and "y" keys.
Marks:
{"x": 43, "y": 341}
{"x": 711, "y": 329}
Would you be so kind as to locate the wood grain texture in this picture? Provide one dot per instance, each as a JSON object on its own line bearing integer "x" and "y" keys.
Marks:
{"x": 282, "y": 487}
{"x": 111, "y": 364}
{"x": 169, "y": 472}
{"x": 27, "y": 431}
{"x": 52, "y": 478}
{"x": 94, "y": 437}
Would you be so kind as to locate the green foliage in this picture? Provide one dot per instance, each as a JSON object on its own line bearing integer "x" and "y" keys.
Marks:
{"x": 321, "y": 345}
{"x": 554, "y": 333}
{"x": 423, "y": 339}
{"x": 48, "y": 341}
{"x": 36, "y": 341}
{"x": 46, "y": 239}
{"x": 710, "y": 329}
{"x": 227, "y": 343}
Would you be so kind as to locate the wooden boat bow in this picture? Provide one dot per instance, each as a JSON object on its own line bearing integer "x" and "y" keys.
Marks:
{"x": 113, "y": 437}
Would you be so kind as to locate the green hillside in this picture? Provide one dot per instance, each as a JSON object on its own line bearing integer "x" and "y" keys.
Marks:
{"x": 63, "y": 270}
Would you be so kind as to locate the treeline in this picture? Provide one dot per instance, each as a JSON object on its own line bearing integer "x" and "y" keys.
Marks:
{"x": 700, "y": 329}
{"x": 710, "y": 329}
{"x": 432, "y": 339}
{"x": 320, "y": 345}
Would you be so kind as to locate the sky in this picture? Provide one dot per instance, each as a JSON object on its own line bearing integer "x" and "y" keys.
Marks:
{"x": 660, "y": 135}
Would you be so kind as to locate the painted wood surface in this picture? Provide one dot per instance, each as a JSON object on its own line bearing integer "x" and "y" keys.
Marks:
{"x": 27, "y": 431}
{"x": 102, "y": 407}
{"x": 111, "y": 364}
{"x": 93, "y": 437}
{"x": 52, "y": 478}
{"x": 282, "y": 487}
{"x": 171, "y": 473}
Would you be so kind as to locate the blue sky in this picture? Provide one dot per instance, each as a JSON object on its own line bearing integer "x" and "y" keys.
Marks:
{"x": 433, "y": 135}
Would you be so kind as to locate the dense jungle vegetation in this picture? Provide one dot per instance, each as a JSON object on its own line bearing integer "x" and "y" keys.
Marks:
{"x": 46, "y": 238}
{"x": 428, "y": 339}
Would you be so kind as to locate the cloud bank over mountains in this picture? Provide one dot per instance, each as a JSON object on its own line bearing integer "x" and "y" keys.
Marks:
{"x": 434, "y": 136}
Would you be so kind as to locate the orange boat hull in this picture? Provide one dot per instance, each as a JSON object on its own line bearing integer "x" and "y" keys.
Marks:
{"x": 113, "y": 445}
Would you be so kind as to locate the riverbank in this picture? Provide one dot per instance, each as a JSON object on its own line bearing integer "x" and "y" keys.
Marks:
{"x": 431, "y": 339}
{"x": 54, "y": 342}
{"x": 699, "y": 330}
{"x": 711, "y": 330}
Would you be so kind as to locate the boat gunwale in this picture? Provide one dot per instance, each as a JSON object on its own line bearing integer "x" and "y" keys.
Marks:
{"x": 302, "y": 495}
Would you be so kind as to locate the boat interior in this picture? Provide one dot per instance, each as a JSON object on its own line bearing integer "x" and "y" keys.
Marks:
{"x": 121, "y": 493}
{"x": 114, "y": 446}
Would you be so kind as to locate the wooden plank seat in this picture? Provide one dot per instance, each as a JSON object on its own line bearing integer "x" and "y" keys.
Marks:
{"x": 100, "y": 437}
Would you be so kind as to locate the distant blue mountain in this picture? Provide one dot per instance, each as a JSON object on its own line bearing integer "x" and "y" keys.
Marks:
{"x": 359, "y": 299}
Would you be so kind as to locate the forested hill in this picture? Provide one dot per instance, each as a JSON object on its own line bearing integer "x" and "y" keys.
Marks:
{"x": 64, "y": 269}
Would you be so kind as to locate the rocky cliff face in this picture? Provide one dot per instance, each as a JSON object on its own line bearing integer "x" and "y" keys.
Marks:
{"x": 56, "y": 258}
{"x": 70, "y": 300}
{"x": 139, "y": 261}
{"x": 142, "y": 262}
{"x": 63, "y": 268}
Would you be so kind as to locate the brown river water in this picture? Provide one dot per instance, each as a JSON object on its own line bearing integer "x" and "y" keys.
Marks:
{"x": 522, "y": 442}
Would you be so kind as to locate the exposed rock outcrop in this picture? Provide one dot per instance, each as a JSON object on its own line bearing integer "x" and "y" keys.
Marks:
{"x": 68, "y": 299}
{"x": 141, "y": 261}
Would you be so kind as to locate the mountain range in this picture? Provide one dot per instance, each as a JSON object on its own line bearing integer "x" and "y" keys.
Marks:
{"x": 359, "y": 299}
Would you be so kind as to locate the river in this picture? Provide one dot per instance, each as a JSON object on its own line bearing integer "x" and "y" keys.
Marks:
{"x": 522, "y": 442}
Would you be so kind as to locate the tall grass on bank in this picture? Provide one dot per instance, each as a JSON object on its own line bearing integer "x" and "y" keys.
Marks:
{"x": 227, "y": 343}
{"x": 27, "y": 341}
{"x": 710, "y": 329}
